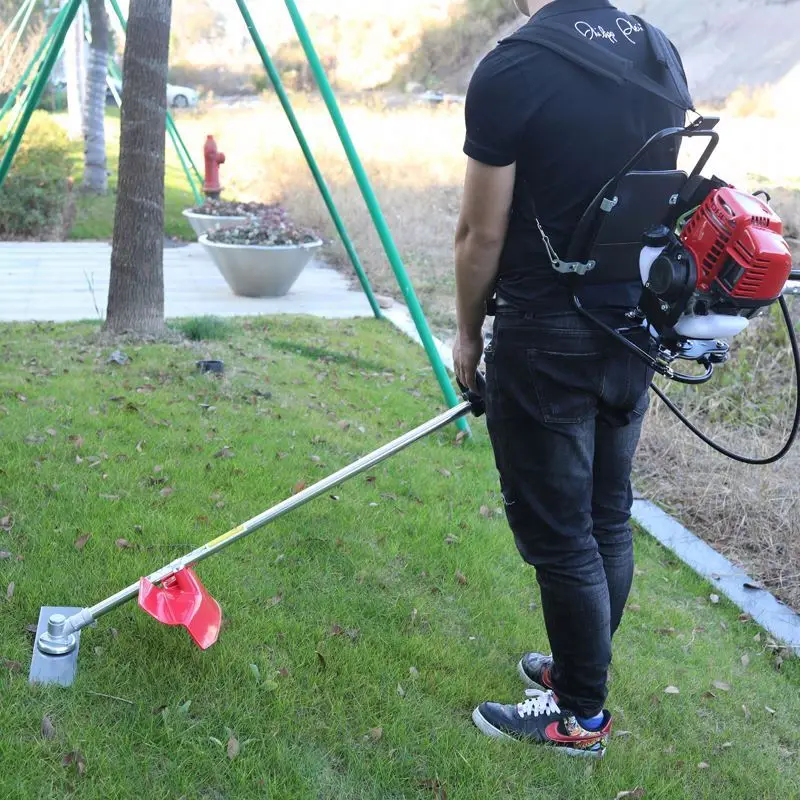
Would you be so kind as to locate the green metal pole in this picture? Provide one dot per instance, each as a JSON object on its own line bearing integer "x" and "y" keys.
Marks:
{"x": 371, "y": 199}
{"x": 17, "y": 39}
{"x": 33, "y": 62}
{"x": 172, "y": 129}
{"x": 173, "y": 134}
{"x": 38, "y": 86}
{"x": 275, "y": 78}
{"x": 181, "y": 145}
{"x": 13, "y": 24}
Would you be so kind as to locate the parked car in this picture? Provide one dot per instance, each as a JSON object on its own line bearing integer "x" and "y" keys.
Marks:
{"x": 177, "y": 96}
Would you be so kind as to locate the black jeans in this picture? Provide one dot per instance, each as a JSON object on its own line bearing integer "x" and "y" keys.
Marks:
{"x": 565, "y": 405}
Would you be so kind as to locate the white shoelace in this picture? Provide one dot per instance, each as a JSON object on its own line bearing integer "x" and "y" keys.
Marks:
{"x": 537, "y": 704}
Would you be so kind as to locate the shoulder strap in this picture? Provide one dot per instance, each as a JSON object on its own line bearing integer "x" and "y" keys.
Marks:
{"x": 595, "y": 58}
{"x": 667, "y": 57}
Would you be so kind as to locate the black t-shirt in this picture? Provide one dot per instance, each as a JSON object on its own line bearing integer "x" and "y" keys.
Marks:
{"x": 569, "y": 131}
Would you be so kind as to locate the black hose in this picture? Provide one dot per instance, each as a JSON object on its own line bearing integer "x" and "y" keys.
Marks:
{"x": 795, "y": 427}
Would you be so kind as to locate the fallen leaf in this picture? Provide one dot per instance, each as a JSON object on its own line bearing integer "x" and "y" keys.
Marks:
{"x": 436, "y": 786}
{"x": 233, "y": 748}
{"x": 80, "y": 543}
{"x": 31, "y": 628}
{"x": 298, "y": 487}
{"x": 123, "y": 544}
{"x": 666, "y": 631}
{"x": 753, "y": 585}
{"x": 634, "y": 607}
{"x": 167, "y": 491}
{"x": 336, "y": 630}
{"x": 139, "y": 447}
{"x": 226, "y": 452}
{"x": 634, "y": 794}
{"x": 157, "y": 468}
{"x": 709, "y": 696}
{"x": 401, "y": 691}
{"x": 722, "y": 686}
{"x": 445, "y": 472}
{"x": 745, "y": 617}
{"x": 769, "y": 710}
{"x": 757, "y": 637}
{"x": 344, "y": 425}
{"x": 461, "y": 436}
{"x": 275, "y": 600}
{"x": 316, "y": 459}
{"x": 714, "y": 598}
{"x": 48, "y": 729}
{"x": 256, "y": 672}
{"x": 726, "y": 745}
{"x": 413, "y": 672}
{"x": 703, "y": 765}
{"x": 4, "y": 554}
{"x": 12, "y": 666}
{"x": 7, "y": 522}
{"x": 745, "y": 660}
{"x": 335, "y": 497}
{"x": 21, "y": 397}
{"x": 451, "y": 539}
{"x": 112, "y": 497}
{"x": 620, "y": 734}
{"x": 34, "y": 439}
{"x": 352, "y": 634}
{"x": 10, "y": 590}
{"x": 370, "y": 479}
{"x": 76, "y": 440}
{"x": 51, "y": 432}
{"x": 485, "y": 512}
{"x": 672, "y": 690}
{"x": 746, "y": 711}
{"x": 77, "y": 760}
{"x": 283, "y": 672}
{"x": 375, "y": 734}
{"x": 715, "y": 576}
{"x": 322, "y": 662}
{"x": 461, "y": 578}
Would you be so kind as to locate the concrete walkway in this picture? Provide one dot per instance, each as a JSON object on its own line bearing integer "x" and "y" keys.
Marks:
{"x": 63, "y": 282}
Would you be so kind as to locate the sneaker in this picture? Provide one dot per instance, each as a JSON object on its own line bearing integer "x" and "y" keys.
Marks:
{"x": 539, "y": 720}
{"x": 535, "y": 670}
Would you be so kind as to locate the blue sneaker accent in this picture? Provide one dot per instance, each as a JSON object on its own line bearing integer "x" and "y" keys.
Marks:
{"x": 591, "y": 723}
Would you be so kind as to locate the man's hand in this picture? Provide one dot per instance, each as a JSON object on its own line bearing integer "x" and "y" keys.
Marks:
{"x": 467, "y": 353}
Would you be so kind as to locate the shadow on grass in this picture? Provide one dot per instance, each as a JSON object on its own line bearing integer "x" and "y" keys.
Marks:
{"x": 326, "y": 356}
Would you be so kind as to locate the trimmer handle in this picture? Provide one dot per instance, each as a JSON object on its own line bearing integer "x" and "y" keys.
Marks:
{"x": 476, "y": 399}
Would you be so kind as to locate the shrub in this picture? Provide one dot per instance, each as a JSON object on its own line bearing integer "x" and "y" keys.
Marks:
{"x": 204, "y": 329}
{"x": 33, "y": 196}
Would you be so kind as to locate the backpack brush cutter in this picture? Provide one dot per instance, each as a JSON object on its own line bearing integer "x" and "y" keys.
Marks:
{"x": 716, "y": 260}
{"x": 174, "y": 595}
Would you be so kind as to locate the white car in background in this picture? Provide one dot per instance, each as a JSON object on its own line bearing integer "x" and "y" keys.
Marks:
{"x": 177, "y": 96}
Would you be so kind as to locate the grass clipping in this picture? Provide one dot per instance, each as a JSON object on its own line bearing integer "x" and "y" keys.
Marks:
{"x": 749, "y": 513}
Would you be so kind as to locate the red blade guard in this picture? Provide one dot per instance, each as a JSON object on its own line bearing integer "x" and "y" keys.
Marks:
{"x": 183, "y": 600}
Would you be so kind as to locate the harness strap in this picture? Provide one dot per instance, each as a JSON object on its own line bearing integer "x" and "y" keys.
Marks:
{"x": 598, "y": 60}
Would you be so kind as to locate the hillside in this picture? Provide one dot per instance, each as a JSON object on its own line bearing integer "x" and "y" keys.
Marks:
{"x": 726, "y": 45}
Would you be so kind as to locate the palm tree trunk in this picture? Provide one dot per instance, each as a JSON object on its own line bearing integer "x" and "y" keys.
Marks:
{"x": 95, "y": 177}
{"x": 136, "y": 291}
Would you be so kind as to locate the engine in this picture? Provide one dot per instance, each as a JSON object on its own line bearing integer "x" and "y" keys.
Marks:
{"x": 728, "y": 263}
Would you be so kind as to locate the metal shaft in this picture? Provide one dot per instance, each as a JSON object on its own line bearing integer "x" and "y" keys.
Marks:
{"x": 88, "y": 615}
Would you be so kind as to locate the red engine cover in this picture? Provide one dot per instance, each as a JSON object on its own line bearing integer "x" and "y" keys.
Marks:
{"x": 738, "y": 245}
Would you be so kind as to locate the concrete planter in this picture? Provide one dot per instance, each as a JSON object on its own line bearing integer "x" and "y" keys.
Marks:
{"x": 260, "y": 271}
{"x": 205, "y": 223}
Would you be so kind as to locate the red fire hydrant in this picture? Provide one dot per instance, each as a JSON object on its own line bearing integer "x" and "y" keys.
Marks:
{"x": 213, "y": 158}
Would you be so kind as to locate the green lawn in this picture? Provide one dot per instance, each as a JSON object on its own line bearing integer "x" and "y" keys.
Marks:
{"x": 94, "y": 216}
{"x": 352, "y": 654}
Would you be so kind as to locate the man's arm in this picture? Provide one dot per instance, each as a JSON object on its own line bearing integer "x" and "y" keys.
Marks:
{"x": 480, "y": 236}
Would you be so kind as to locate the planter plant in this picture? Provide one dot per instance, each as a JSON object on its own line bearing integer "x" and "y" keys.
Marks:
{"x": 264, "y": 256}
{"x": 214, "y": 214}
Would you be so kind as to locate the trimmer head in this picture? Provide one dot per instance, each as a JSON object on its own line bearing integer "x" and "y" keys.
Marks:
{"x": 59, "y": 665}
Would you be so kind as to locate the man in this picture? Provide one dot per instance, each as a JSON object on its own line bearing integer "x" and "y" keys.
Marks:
{"x": 565, "y": 401}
